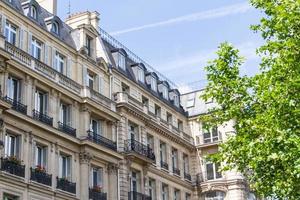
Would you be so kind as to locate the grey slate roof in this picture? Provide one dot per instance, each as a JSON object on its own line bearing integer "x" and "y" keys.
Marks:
{"x": 43, "y": 14}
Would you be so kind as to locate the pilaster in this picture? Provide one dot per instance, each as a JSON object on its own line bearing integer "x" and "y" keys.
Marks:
{"x": 84, "y": 162}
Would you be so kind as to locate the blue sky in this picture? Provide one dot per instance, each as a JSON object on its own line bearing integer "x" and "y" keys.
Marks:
{"x": 177, "y": 37}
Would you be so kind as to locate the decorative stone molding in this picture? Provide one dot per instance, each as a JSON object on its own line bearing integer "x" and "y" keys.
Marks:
{"x": 3, "y": 65}
{"x": 112, "y": 168}
{"x": 85, "y": 157}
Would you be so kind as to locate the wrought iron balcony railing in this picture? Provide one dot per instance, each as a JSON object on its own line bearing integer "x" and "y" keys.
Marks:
{"x": 16, "y": 105}
{"x": 66, "y": 129}
{"x": 12, "y": 166}
{"x": 96, "y": 195}
{"x": 176, "y": 171}
{"x": 65, "y": 185}
{"x": 98, "y": 139}
{"x": 187, "y": 176}
{"x": 164, "y": 165}
{"x": 139, "y": 148}
{"x": 137, "y": 196}
{"x": 42, "y": 117}
{"x": 40, "y": 177}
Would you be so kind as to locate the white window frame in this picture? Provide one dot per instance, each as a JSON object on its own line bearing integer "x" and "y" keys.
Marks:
{"x": 11, "y": 33}
{"x": 163, "y": 152}
{"x": 33, "y": 12}
{"x": 7, "y": 196}
{"x": 11, "y": 145}
{"x": 98, "y": 126}
{"x": 218, "y": 196}
{"x": 174, "y": 158}
{"x": 176, "y": 194}
{"x": 186, "y": 164}
{"x": 215, "y": 173}
{"x": 121, "y": 61}
{"x": 67, "y": 120}
{"x": 36, "y": 49}
{"x": 11, "y": 88}
{"x": 44, "y": 102}
{"x": 211, "y": 135}
{"x": 141, "y": 75}
{"x": 99, "y": 177}
{"x": 59, "y": 62}
{"x": 65, "y": 164}
{"x": 91, "y": 79}
{"x": 55, "y": 27}
{"x": 164, "y": 191}
{"x": 152, "y": 188}
{"x": 153, "y": 84}
{"x": 165, "y": 92}
{"x": 43, "y": 153}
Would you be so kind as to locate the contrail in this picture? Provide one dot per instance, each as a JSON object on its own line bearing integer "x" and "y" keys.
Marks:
{"x": 208, "y": 14}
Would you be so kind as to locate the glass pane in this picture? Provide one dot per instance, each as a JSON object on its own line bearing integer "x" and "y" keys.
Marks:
{"x": 210, "y": 171}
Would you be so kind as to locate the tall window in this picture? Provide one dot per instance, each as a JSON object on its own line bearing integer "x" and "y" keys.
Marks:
{"x": 212, "y": 170}
{"x": 187, "y": 196}
{"x": 10, "y": 33}
{"x": 59, "y": 62}
{"x": 96, "y": 126}
{"x": 36, "y": 49}
{"x": 180, "y": 125}
{"x": 153, "y": 84}
{"x": 134, "y": 183}
{"x": 89, "y": 45}
{"x": 11, "y": 145}
{"x": 65, "y": 114}
{"x": 97, "y": 177}
{"x": 164, "y": 192}
{"x": 41, "y": 102}
{"x": 65, "y": 166}
{"x": 157, "y": 110}
{"x": 210, "y": 134}
{"x": 145, "y": 101}
{"x": 133, "y": 131}
{"x": 175, "y": 158}
{"x": 165, "y": 92}
{"x": 91, "y": 79}
{"x": 40, "y": 156}
{"x": 176, "y": 100}
{"x": 163, "y": 152}
{"x": 55, "y": 28}
{"x": 150, "y": 141}
{"x": 214, "y": 195}
{"x": 152, "y": 189}
{"x": 121, "y": 61}
{"x": 33, "y": 12}
{"x": 13, "y": 88}
{"x": 186, "y": 164}
{"x": 10, "y": 197}
{"x": 176, "y": 194}
{"x": 141, "y": 75}
{"x": 169, "y": 118}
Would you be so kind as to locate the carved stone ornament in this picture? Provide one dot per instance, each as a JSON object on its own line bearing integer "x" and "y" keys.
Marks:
{"x": 112, "y": 168}
{"x": 85, "y": 157}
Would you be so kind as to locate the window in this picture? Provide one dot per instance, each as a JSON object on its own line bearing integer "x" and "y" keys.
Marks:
{"x": 96, "y": 177}
{"x": 165, "y": 92}
{"x": 33, "y": 12}
{"x": 89, "y": 45}
{"x": 187, "y": 196}
{"x": 190, "y": 100}
{"x": 169, "y": 118}
{"x": 145, "y": 101}
{"x": 152, "y": 191}
{"x": 212, "y": 170}
{"x": 10, "y": 33}
{"x": 55, "y": 28}
{"x": 214, "y": 195}
{"x": 176, "y": 100}
{"x": 13, "y": 88}
{"x": 175, "y": 158}
{"x": 180, "y": 125}
{"x": 65, "y": 114}
{"x": 36, "y": 49}
{"x": 141, "y": 75}
{"x": 163, "y": 152}
{"x": 90, "y": 80}
{"x": 133, "y": 131}
{"x": 150, "y": 141}
{"x": 40, "y": 156}
{"x": 186, "y": 164}
{"x": 176, "y": 194}
{"x": 41, "y": 102}
{"x": 164, "y": 192}
{"x": 120, "y": 60}
{"x": 134, "y": 182}
{"x": 153, "y": 84}
{"x": 96, "y": 127}
{"x": 157, "y": 111}
{"x": 11, "y": 145}
{"x": 10, "y": 197}
{"x": 125, "y": 88}
{"x": 59, "y": 62}
{"x": 65, "y": 166}
{"x": 210, "y": 134}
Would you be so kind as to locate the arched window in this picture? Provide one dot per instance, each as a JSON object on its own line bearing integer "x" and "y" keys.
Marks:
{"x": 55, "y": 28}
{"x": 214, "y": 195}
{"x": 33, "y": 12}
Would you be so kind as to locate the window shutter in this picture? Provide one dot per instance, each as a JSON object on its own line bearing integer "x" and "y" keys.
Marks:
{"x": 69, "y": 65}
{"x": 101, "y": 84}
{"x": 69, "y": 172}
{"x": 46, "y": 96}
{"x": 29, "y": 43}
{"x": 21, "y": 35}
{"x": 45, "y": 155}
{"x": 53, "y": 59}
{"x": 18, "y": 146}
{"x": 100, "y": 127}
{"x": 60, "y": 167}
{"x": 35, "y": 154}
{"x": 69, "y": 114}
{"x": 46, "y": 55}
{"x": 84, "y": 76}
{"x": 36, "y": 101}
{"x": 3, "y": 23}
{"x": 100, "y": 177}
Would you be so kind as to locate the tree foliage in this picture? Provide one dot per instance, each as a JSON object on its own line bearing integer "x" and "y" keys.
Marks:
{"x": 265, "y": 107}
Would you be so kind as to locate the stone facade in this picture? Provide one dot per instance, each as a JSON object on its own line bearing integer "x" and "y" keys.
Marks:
{"x": 81, "y": 117}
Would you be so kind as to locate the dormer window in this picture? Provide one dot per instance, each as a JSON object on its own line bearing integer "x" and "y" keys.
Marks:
{"x": 165, "y": 92}
{"x": 119, "y": 56}
{"x": 141, "y": 75}
{"x": 154, "y": 84}
{"x": 33, "y": 12}
{"x": 176, "y": 100}
{"x": 89, "y": 45}
{"x": 55, "y": 28}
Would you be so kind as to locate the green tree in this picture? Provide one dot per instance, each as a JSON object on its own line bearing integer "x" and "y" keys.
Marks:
{"x": 265, "y": 107}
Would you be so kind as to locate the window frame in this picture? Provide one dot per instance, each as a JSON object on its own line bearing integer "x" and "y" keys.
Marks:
{"x": 10, "y": 29}
{"x": 59, "y": 62}
{"x": 10, "y": 151}
{"x": 36, "y": 48}
{"x": 11, "y": 91}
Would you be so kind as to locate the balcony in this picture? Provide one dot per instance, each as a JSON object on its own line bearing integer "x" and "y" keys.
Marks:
{"x": 139, "y": 148}
{"x": 40, "y": 176}
{"x": 98, "y": 139}
{"x": 16, "y": 105}
{"x": 67, "y": 129}
{"x": 13, "y": 166}
{"x": 97, "y": 195}
{"x": 42, "y": 117}
{"x": 176, "y": 171}
{"x": 187, "y": 176}
{"x": 164, "y": 165}
{"x": 137, "y": 196}
{"x": 65, "y": 185}
{"x": 99, "y": 98}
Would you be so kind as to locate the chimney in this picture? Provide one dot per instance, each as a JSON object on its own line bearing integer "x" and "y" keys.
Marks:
{"x": 49, "y": 5}
{"x": 87, "y": 17}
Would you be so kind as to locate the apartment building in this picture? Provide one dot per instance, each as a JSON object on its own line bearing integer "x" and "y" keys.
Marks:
{"x": 82, "y": 117}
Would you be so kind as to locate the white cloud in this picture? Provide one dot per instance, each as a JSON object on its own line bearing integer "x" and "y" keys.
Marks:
{"x": 208, "y": 14}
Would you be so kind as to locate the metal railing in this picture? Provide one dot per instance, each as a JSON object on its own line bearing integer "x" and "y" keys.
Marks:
{"x": 137, "y": 196}
{"x": 139, "y": 148}
{"x": 99, "y": 139}
{"x": 42, "y": 117}
{"x": 16, "y": 105}
{"x": 187, "y": 176}
{"x": 96, "y": 195}
{"x": 40, "y": 177}
{"x": 66, "y": 129}
{"x": 65, "y": 185}
{"x": 164, "y": 165}
{"x": 12, "y": 167}
{"x": 176, "y": 171}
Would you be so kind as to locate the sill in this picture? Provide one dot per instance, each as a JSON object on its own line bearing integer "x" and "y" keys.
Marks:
{"x": 47, "y": 187}
{"x": 65, "y": 193}
{"x": 19, "y": 178}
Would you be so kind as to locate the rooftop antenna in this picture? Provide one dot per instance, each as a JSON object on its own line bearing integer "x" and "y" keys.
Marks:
{"x": 69, "y": 8}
